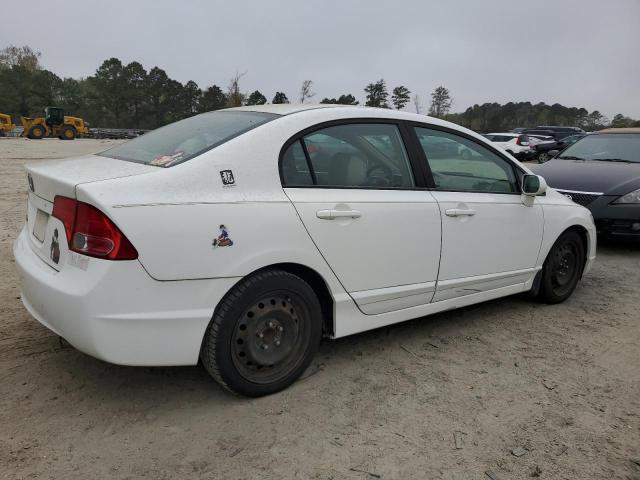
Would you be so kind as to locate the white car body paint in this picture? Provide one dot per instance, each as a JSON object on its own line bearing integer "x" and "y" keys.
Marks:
{"x": 155, "y": 310}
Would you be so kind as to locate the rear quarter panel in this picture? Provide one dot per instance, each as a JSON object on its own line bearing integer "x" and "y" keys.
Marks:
{"x": 172, "y": 215}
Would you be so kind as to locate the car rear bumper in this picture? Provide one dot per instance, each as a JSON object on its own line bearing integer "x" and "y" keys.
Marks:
{"x": 116, "y": 312}
{"x": 524, "y": 155}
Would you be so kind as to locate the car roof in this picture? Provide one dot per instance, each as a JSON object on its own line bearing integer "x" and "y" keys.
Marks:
{"x": 284, "y": 108}
{"x": 348, "y": 112}
{"x": 559, "y": 128}
{"x": 507, "y": 133}
{"x": 318, "y": 113}
{"x": 620, "y": 130}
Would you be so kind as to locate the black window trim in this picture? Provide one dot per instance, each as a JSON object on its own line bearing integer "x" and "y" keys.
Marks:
{"x": 422, "y": 176}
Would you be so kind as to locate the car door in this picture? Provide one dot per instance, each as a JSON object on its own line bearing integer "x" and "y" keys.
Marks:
{"x": 353, "y": 187}
{"x": 490, "y": 239}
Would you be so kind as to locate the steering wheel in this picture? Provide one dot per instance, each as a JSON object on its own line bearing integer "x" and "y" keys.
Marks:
{"x": 379, "y": 176}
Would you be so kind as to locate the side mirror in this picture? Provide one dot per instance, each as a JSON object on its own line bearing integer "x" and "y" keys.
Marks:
{"x": 533, "y": 185}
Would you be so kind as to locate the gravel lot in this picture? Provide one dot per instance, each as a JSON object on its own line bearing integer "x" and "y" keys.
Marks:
{"x": 450, "y": 396}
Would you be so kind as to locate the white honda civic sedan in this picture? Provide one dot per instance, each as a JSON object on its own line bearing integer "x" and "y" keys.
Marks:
{"x": 241, "y": 237}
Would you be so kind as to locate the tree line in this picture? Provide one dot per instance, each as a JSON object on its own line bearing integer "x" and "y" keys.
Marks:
{"x": 493, "y": 117}
{"x": 120, "y": 95}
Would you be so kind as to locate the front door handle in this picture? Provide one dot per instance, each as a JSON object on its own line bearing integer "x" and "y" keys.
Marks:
{"x": 331, "y": 214}
{"x": 459, "y": 212}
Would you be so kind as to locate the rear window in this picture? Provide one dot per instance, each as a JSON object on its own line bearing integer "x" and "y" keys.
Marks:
{"x": 188, "y": 138}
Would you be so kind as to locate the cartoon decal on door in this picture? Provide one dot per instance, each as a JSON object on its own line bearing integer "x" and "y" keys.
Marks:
{"x": 54, "y": 251}
{"x": 223, "y": 239}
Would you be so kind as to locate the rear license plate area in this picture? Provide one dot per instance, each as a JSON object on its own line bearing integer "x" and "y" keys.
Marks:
{"x": 40, "y": 225}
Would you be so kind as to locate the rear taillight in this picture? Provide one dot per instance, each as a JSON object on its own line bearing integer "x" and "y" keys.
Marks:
{"x": 64, "y": 209}
{"x": 522, "y": 141}
{"x": 91, "y": 232}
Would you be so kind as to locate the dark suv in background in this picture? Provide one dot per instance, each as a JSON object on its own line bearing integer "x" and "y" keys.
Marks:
{"x": 541, "y": 150}
{"x": 556, "y": 132}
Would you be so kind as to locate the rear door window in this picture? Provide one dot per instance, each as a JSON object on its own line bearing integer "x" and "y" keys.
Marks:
{"x": 349, "y": 156}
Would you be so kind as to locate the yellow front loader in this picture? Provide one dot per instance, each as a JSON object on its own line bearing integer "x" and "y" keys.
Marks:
{"x": 6, "y": 125}
{"x": 54, "y": 124}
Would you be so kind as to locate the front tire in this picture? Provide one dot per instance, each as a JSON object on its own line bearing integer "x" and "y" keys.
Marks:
{"x": 264, "y": 334}
{"x": 36, "y": 132}
{"x": 562, "y": 268}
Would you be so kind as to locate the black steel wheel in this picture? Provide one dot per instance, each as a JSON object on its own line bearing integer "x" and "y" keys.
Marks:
{"x": 562, "y": 268}
{"x": 264, "y": 334}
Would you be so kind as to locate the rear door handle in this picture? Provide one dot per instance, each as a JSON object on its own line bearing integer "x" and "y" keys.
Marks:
{"x": 459, "y": 212}
{"x": 331, "y": 214}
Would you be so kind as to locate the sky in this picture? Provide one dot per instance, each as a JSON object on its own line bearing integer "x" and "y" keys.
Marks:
{"x": 582, "y": 53}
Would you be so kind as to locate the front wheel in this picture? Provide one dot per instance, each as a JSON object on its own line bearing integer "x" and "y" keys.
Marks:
{"x": 263, "y": 334}
{"x": 562, "y": 268}
{"x": 543, "y": 157}
{"x": 36, "y": 132}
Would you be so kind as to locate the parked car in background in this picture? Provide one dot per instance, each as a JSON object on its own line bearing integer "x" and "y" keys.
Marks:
{"x": 601, "y": 171}
{"x": 562, "y": 132}
{"x": 241, "y": 237}
{"x": 570, "y": 140}
{"x": 556, "y": 132}
{"x": 513, "y": 143}
{"x": 542, "y": 145}
{"x": 538, "y": 132}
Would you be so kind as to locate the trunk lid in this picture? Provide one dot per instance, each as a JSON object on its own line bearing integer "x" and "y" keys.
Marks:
{"x": 60, "y": 177}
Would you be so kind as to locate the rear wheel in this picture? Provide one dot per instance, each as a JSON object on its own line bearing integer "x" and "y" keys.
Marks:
{"x": 68, "y": 133}
{"x": 36, "y": 132}
{"x": 562, "y": 268}
{"x": 263, "y": 334}
{"x": 543, "y": 157}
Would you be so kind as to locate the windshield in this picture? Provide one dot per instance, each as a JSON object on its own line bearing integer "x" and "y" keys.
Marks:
{"x": 188, "y": 138}
{"x": 615, "y": 147}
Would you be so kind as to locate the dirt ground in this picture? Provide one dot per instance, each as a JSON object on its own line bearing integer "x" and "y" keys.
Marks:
{"x": 453, "y": 396}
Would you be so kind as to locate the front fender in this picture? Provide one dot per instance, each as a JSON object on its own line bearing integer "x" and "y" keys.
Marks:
{"x": 561, "y": 217}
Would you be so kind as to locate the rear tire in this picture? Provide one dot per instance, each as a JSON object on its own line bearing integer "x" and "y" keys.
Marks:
{"x": 36, "y": 132}
{"x": 562, "y": 268}
{"x": 543, "y": 157}
{"x": 263, "y": 334}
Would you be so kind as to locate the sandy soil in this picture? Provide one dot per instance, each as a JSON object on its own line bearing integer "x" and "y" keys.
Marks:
{"x": 452, "y": 396}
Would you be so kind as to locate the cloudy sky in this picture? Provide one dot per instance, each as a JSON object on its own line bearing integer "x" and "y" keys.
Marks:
{"x": 583, "y": 53}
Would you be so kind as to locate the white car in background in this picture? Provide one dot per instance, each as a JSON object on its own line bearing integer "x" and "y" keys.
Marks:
{"x": 516, "y": 144}
{"x": 241, "y": 237}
